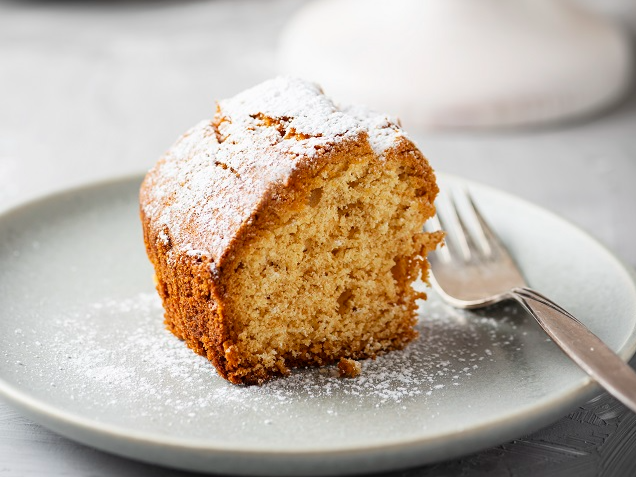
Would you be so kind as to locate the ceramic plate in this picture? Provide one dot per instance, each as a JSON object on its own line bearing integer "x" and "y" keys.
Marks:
{"x": 84, "y": 352}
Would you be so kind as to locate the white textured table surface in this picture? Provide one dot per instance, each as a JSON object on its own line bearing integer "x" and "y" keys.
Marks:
{"x": 95, "y": 90}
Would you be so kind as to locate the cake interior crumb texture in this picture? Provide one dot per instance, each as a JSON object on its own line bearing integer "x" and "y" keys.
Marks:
{"x": 320, "y": 271}
{"x": 331, "y": 279}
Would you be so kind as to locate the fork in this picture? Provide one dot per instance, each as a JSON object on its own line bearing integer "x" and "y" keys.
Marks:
{"x": 475, "y": 270}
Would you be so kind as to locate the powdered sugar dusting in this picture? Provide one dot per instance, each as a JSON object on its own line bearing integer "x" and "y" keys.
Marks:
{"x": 384, "y": 131}
{"x": 120, "y": 349}
{"x": 298, "y": 106}
{"x": 212, "y": 180}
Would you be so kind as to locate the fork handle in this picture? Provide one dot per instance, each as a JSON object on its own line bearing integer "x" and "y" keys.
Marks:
{"x": 580, "y": 344}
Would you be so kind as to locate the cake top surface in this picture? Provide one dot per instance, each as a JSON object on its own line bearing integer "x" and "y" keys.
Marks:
{"x": 210, "y": 182}
{"x": 303, "y": 116}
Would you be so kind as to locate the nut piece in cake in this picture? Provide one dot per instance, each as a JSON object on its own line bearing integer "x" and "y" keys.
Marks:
{"x": 286, "y": 232}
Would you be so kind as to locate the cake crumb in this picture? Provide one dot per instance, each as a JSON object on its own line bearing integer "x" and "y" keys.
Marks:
{"x": 349, "y": 368}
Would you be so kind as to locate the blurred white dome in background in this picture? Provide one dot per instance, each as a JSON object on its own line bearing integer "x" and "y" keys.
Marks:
{"x": 458, "y": 63}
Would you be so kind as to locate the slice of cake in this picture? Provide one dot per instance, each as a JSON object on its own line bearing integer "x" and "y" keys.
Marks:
{"x": 287, "y": 231}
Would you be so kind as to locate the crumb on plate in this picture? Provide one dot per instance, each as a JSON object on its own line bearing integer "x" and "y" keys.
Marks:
{"x": 349, "y": 368}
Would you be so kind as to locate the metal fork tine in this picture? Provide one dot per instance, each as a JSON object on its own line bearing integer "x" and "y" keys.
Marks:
{"x": 457, "y": 235}
{"x": 466, "y": 233}
{"x": 450, "y": 247}
{"x": 489, "y": 241}
{"x": 480, "y": 234}
{"x": 433, "y": 225}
